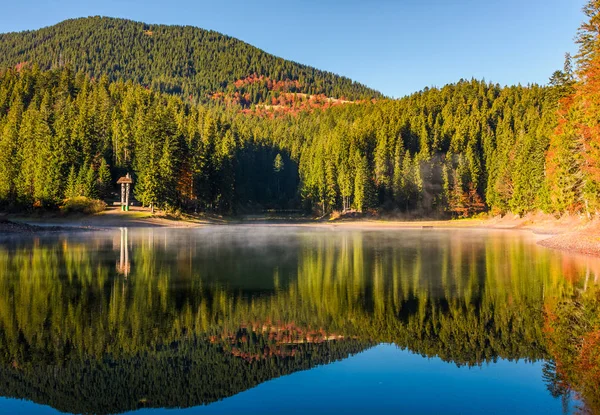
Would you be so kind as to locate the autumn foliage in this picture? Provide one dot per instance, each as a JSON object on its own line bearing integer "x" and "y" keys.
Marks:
{"x": 573, "y": 158}
{"x": 572, "y": 330}
{"x": 268, "y": 98}
{"x": 261, "y": 340}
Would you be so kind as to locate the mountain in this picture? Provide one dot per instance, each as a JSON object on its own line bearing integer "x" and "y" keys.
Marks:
{"x": 459, "y": 150}
{"x": 182, "y": 60}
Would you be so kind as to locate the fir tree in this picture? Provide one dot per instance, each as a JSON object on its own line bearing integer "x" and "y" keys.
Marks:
{"x": 105, "y": 182}
{"x": 71, "y": 187}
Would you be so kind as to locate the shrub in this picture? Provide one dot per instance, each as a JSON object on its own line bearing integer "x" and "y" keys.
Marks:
{"x": 335, "y": 215}
{"x": 82, "y": 204}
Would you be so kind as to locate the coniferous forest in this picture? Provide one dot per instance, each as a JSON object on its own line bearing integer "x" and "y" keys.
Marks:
{"x": 205, "y": 122}
{"x": 107, "y": 321}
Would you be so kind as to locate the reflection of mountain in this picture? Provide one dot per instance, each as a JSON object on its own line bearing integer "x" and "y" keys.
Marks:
{"x": 182, "y": 374}
{"x": 466, "y": 297}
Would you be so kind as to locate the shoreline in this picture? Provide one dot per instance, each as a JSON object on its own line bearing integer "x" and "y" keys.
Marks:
{"x": 569, "y": 233}
{"x": 109, "y": 218}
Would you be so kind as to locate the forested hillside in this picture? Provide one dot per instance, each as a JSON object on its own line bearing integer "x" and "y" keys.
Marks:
{"x": 458, "y": 150}
{"x": 183, "y": 60}
{"x": 449, "y": 150}
{"x": 65, "y": 135}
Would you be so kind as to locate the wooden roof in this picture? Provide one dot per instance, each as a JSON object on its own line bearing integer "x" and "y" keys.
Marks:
{"x": 125, "y": 179}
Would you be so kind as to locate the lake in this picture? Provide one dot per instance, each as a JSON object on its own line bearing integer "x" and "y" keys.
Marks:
{"x": 284, "y": 319}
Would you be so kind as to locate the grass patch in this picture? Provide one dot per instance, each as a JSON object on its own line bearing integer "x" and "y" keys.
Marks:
{"x": 81, "y": 204}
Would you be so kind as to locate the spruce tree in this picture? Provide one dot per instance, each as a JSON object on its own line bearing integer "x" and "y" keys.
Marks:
{"x": 105, "y": 182}
{"x": 71, "y": 186}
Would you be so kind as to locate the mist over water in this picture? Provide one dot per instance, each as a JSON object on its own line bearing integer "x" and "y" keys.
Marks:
{"x": 329, "y": 318}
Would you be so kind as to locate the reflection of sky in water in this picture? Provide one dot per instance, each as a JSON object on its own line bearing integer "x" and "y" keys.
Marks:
{"x": 492, "y": 283}
{"x": 386, "y": 379}
{"x": 383, "y": 379}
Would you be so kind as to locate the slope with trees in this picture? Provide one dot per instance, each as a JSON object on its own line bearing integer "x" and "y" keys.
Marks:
{"x": 458, "y": 150}
{"x": 182, "y": 60}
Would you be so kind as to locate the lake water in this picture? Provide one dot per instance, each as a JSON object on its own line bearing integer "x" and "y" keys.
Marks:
{"x": 281, "y": 319}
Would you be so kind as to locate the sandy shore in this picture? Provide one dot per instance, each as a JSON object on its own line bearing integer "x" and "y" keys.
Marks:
{"x": 113, "y": 217}
{"x": 10, "y": 227}
{"x": 569, "y": 233}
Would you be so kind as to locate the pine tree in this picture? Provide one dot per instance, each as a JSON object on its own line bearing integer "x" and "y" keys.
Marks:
{"x": 80, "y": 187}
{"x": 331, "y": 191}
{"x": 565, "y": 175}
{"x": 9, "y": 141}
{"x": 89, "y": 184}
{"x": 27, "y": 153}
{"x": 445, "y": 185}
{"x": 361, "y": 185}
{"x": 146, "y": 190}
{"x": 398, "y": 183}
{"x": 345, "y": 186}
{"x": 105, "y": 182}
{"x": 71, "y": 187}
{"x": 407, "y": 182}
{"x": 278, "y": 163}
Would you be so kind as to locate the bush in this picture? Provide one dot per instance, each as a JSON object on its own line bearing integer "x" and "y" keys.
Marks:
{"x": 82, "y": 204}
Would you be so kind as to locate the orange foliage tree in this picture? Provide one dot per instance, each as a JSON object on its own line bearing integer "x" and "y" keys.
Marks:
{"x": 573, "y": 159}
{"x": 572, "y": 331}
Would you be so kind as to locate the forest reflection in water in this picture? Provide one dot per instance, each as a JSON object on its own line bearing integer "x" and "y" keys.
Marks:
{"x": 207, "y": 313}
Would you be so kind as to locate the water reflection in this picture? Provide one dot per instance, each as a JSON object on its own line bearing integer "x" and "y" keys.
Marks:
{"x": 124, "y": 266}
{"x": 192, "y": 316}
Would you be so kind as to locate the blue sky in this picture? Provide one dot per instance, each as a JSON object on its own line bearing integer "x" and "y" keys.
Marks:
{"x": 397, "y": 47}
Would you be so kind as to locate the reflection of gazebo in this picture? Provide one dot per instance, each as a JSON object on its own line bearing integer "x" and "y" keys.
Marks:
{"x": 124, "y": 266}
{"x": 125, "y": 183}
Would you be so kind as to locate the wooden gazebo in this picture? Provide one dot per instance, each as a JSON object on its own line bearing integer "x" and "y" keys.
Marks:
{"x": 125, "y": 182}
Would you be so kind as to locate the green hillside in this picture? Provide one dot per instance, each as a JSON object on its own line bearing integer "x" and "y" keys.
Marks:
{"x": 176, "y": 59}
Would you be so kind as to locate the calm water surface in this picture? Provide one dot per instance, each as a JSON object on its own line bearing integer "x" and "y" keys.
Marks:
{"x": 289, "y": 320}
